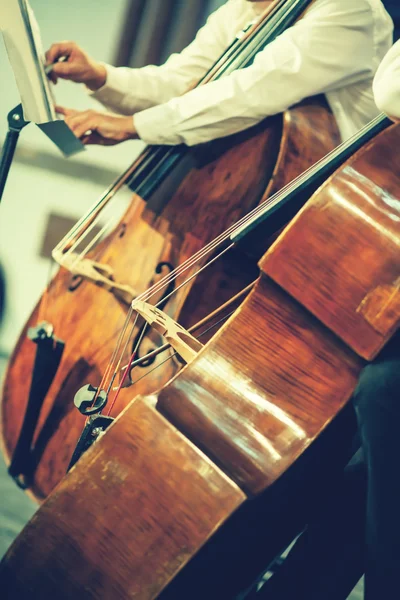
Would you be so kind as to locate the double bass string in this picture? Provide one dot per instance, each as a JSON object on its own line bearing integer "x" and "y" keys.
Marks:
{"x": 341, "y": 152}
{"x": 96, "y": 208}
{"x": 205, "y": 321}
{"x": 110, "y": 367}
{"x": 174, "y": 353}
{"x": 239, "y": 55}
{"x": 108, "y": 226}
{"x": 114, "y": 369}
{"x": 242, "y": 52}
{"x": 144, "y": 182}
{"x": 149, "y": 154}
{"x": 133, "y": 355}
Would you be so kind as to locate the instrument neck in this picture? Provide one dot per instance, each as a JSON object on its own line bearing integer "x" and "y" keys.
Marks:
{"x": 316, "y": 173}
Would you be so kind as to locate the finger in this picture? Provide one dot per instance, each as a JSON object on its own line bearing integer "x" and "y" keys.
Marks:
{"x": 81, "y": 124}
{"x": 98, "y": 140}
{"x": 52, "y": 77}
{"x": 92, "y": 139}
{"x": 64, "y": 69}
{"x": 83, "y": 130}
{"x": 57, "y": 50}
{"x": 66, "y": 111}
{"x": 75, "y": 117}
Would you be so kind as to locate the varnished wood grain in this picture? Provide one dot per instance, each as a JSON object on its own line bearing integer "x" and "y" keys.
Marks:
{"x": 355, "y": 218}
{"x": 134, "y": 494}
{"x": 263, "y": 389}
{"x": 307, "y": 127}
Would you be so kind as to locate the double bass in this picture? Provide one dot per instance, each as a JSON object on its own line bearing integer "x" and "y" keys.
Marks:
{"x": 193, "y": 489}
{"x": 182, "y": 201}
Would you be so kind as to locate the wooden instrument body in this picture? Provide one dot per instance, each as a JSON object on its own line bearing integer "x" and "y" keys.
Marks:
{"x": 176, "y": 465}
{"x": 248, "y": 166}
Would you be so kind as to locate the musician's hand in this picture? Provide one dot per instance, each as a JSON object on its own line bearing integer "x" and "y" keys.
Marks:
{"x": 99, "y": 128}
{"x": 78, "y": 66}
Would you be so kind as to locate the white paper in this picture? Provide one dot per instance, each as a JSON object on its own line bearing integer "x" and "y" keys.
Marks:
{"x": 24, "y": 48}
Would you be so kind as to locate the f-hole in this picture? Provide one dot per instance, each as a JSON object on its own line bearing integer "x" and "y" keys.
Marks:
{"x": 141, "y": 334}
{"x": 75, "y": 282}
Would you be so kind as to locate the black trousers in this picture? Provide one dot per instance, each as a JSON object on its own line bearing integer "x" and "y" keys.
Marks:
{"x": 357, "y": 527}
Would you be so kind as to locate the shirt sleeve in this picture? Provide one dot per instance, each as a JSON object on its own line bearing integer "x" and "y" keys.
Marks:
{"x": 329, "y": 48}
{"x": 387, "y": 83}
{"x": 130, "y": 90}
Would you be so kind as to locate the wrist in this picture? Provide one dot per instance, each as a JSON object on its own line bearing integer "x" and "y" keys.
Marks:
{"x": 97, "y": 78}
{"x": 130, "y": 128}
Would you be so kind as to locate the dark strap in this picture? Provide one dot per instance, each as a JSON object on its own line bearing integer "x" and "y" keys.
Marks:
{"x": 47, "y": 360}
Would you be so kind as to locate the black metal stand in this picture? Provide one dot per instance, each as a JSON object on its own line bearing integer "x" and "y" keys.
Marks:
{"x": 16, "y": 123}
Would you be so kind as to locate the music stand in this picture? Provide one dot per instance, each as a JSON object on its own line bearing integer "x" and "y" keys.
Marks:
{"x": 24, "y": 48}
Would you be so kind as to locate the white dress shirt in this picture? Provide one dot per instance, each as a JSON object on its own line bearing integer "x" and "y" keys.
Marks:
{"x": 334, "y": 49}
{"x": 387, "y": 83}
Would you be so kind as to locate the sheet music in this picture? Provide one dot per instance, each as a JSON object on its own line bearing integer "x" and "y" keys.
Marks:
{"x": 24, "y": 48}
{"x": 25, "y": 52}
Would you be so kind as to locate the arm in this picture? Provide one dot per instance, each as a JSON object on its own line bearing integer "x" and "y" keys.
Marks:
{"x": 125, "y": 91}
{"x": 331, "y": 47}
{"x": 129, "y": 90}
{"x": 387, "y": 83}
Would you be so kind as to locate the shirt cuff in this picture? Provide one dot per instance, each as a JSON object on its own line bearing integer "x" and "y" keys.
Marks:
{"x": 111, "y": 94}
{"x": 157, "y": 125}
